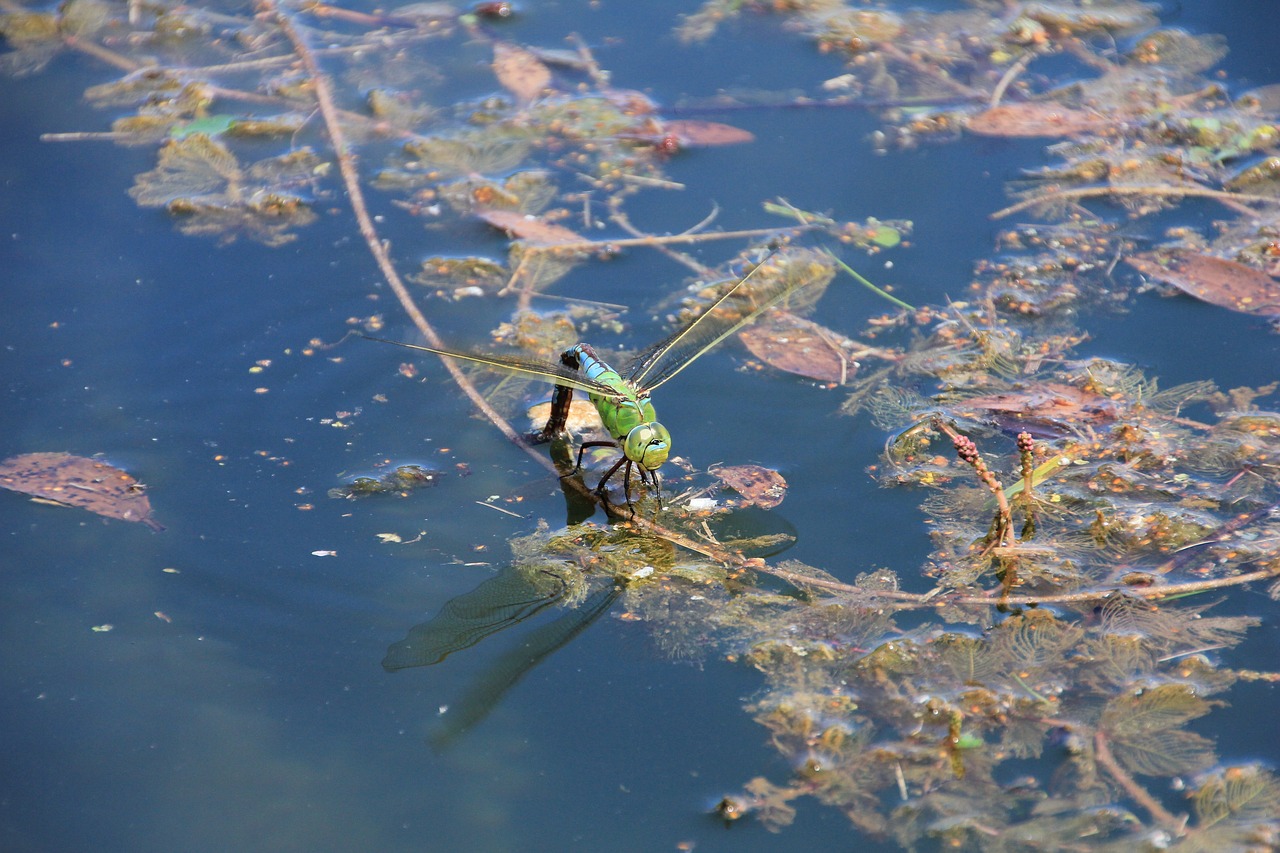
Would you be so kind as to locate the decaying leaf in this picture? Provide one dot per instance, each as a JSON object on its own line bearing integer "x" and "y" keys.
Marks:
{"x": 758, "y": 486}
{"x": 1217, "y": 281}
{"x": 519, "y": 71}
{"x": 787, "y": 342}
{"x": 200, "y": 181}
{"x": 1035, "y": 118}
{"x": 1045, "y": 403}
{"x": 529, "y": 228}
{"x": 694, "y": 134}
{"x": 79, "y": 482}
{"x": 469, "y": 276}
{"x": 400, "y": 481}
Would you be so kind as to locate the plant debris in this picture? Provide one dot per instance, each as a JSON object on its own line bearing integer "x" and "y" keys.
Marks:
{"x": 77, "y": 481}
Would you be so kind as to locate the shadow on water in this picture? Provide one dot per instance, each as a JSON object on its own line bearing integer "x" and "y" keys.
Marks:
{"x": 499, "y": 604}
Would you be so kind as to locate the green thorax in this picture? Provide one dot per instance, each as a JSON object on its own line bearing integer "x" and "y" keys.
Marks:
{"x": 625, "y": 410}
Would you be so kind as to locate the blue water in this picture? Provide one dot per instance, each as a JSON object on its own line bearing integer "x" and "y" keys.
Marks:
{"x": 238, "y": 702}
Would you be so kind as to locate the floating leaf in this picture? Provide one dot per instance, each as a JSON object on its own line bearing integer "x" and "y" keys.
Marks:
{"x": 758, "y": 486}
{"x": 1035, "y": 118}
{"x": 1217, "y": 281}
{"x": 520, "y": 72}
{"x": 209, "y": 125}
{"x": 1047, "y": 403}
{"x": 790, "y": 343}
{"x": 199, "y": 180}
{"x": 529, "y": 228}
{"x": 80, "y": 482}
{"x": 692, "y": 134}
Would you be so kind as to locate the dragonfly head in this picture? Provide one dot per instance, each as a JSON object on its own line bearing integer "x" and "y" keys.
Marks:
{"x": 647, "y": 445}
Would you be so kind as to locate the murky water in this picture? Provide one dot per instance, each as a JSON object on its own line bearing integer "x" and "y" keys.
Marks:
{"x": 238, "y": 701}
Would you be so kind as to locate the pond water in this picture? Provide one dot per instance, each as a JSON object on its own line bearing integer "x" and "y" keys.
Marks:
{"x": 238, "y": 701}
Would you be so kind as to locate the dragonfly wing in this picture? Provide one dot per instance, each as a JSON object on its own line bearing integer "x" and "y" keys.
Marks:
{"x": 668, "y": 357}
{"x": 547, "y": 371}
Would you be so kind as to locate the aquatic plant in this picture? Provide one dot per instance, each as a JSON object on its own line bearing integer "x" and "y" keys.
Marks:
{"x": 1073, "y": 505}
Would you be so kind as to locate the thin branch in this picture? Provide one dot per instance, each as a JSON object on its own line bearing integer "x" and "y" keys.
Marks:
{"x": 1148, "y": 190}
{"x": 377, "y": 247}
{"x": 1102, "y": 754}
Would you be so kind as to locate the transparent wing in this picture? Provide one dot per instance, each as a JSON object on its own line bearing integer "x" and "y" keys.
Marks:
{"x": 668, "y": 357}
{"x": 545, "y": 370}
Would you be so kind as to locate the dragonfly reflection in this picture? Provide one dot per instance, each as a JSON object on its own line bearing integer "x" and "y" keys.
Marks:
{"x": 501, "y": 602}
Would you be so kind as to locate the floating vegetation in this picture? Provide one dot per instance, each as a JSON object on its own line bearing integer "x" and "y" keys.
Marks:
{"x": 402, "y": 480}
{"x": 66, "y": 480}
{"x": 1038, "y": 695}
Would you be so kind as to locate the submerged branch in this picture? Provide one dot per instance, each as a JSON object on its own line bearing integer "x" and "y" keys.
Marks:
{"x": 1140, "y": 795}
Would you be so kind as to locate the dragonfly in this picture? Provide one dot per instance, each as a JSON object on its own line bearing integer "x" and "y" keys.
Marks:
{"x": 622, "y": 398}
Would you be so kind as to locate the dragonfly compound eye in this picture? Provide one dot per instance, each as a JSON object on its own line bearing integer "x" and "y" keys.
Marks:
{"x": 648, "y": 444}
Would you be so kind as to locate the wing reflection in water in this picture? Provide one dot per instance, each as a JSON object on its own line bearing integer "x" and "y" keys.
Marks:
{"x": 499, "y": 603}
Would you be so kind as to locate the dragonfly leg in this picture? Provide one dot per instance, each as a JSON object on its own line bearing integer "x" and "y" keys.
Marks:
{"x": 604, "y": 481}
{"x": 583, "y": 449}
{"x": 657, "y": 487}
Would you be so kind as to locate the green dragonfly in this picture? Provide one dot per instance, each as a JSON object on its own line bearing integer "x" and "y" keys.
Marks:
{"x": 622, "y": 398}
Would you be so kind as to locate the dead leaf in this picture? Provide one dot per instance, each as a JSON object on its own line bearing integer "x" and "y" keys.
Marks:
{"x": 520, "y": 72}
{"x": 79, "y": 482}
{"x": 691, "y": 134}
{"x": 758, "y": 486}
{"x": 1035, "y": 118}
{"x": 802, "y": 347}
{"x": 1048, "y": 403}
{"x": 529, "y": 228}
{"x": 1217, "y": 281}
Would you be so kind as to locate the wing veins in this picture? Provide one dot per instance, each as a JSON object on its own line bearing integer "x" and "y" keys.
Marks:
{"x": 545, "y": 371}
{"x": 647, "y": 363}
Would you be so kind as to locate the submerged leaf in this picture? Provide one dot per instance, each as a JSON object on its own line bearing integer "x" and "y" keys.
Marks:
{"x": 519, "y": 71}
{"x": 1238, "y": 795}
{"x": 695, "y": 133}
{"x": 79, "y": 482}
{"x": 796, "y": 345}
{"x": 1035, "y": 118}
{"x": 758, "y": 486}
{"x": 529, "y": 228}
{"x": 1217, "y": 281}
{"x": 1146, "y": 734}
{"x": 191, "y": 167}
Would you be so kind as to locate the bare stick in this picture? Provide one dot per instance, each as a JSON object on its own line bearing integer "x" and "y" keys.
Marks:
{"x": 377, "y": 247}
{"x": 1155, "y": 190}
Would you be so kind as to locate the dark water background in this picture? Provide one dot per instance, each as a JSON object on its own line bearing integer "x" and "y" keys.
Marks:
{"x": 259, "y": 717}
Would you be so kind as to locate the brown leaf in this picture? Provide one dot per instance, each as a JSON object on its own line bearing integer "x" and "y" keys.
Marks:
{"x": 759, "y": 486}
{"x": 1045, "y": 403}
{"x": 800, "y": 346}
{"x": 1035, "y": 118}
{"x": 1214, "y": 280}
{"x": 77, "y": 481}
{"x": 695, "y": 133}
{"x": 529, "y": 228}
{"x": 519, "y": 71}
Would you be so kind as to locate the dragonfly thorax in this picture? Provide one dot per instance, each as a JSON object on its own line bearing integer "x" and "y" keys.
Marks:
{"x": 647, "y": 445}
